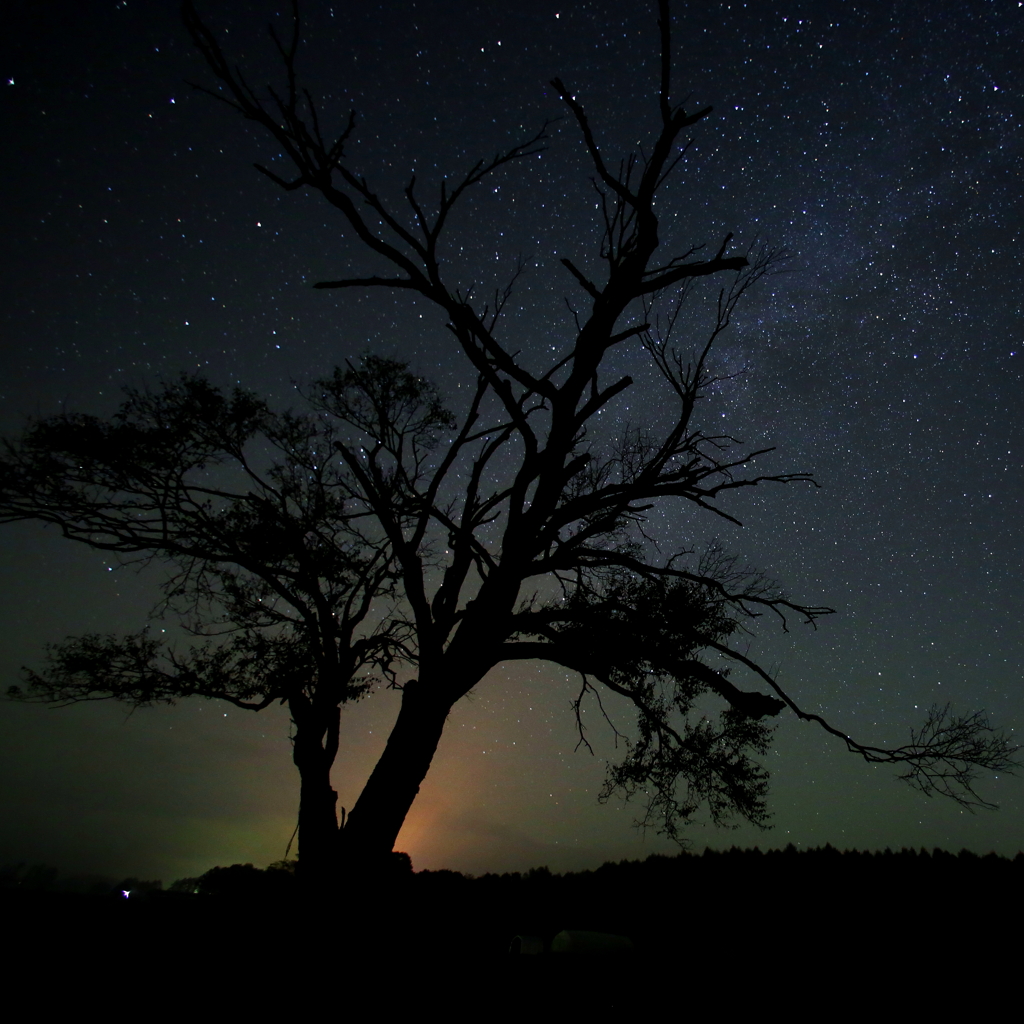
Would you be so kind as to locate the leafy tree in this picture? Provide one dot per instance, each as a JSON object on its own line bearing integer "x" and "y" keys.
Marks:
{"x": 270, "y": 567}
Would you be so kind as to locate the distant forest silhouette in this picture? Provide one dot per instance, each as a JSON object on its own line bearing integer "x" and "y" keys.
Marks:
{"x": 662, "y": 904}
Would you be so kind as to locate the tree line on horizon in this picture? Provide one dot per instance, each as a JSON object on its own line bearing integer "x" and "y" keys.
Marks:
{"x": 278, "y": 880}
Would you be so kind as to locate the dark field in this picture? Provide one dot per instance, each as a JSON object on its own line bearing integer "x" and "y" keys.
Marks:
{"x": 681, "y": 906}
{"x": 820, "y": 933}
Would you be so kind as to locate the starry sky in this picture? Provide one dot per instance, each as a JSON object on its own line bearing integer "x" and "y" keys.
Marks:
{"x": 878, "y": 143}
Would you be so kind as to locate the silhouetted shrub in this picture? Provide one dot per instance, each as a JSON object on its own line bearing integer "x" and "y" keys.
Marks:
{"x": 243, "y": 881}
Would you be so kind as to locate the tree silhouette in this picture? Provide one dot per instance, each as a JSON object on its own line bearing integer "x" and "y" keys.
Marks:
{"x": 270, "y": 566}
{"x": 531, "y": 494}
{"x": 513, "y": 530}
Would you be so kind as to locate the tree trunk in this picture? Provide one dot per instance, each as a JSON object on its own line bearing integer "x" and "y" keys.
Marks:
{"x": 318, "y": 816}
{"x": 372, "y": 828}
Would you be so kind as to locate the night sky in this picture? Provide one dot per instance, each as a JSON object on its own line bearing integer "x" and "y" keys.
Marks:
{"x": 878, "y": 143}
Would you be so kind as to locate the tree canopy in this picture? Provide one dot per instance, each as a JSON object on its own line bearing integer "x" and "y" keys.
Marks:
{"x": 269, "y": 566}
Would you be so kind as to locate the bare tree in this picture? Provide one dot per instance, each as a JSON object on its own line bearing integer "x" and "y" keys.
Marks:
{"x": 270, "y": 565}
{"x": 526, "y": 492}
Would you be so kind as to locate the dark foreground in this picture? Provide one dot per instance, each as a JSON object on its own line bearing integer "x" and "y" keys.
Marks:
{"x": 736, "y": 923}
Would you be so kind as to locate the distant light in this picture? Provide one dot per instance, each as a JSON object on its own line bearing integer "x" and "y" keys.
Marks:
{"x": 126, "y": 893}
